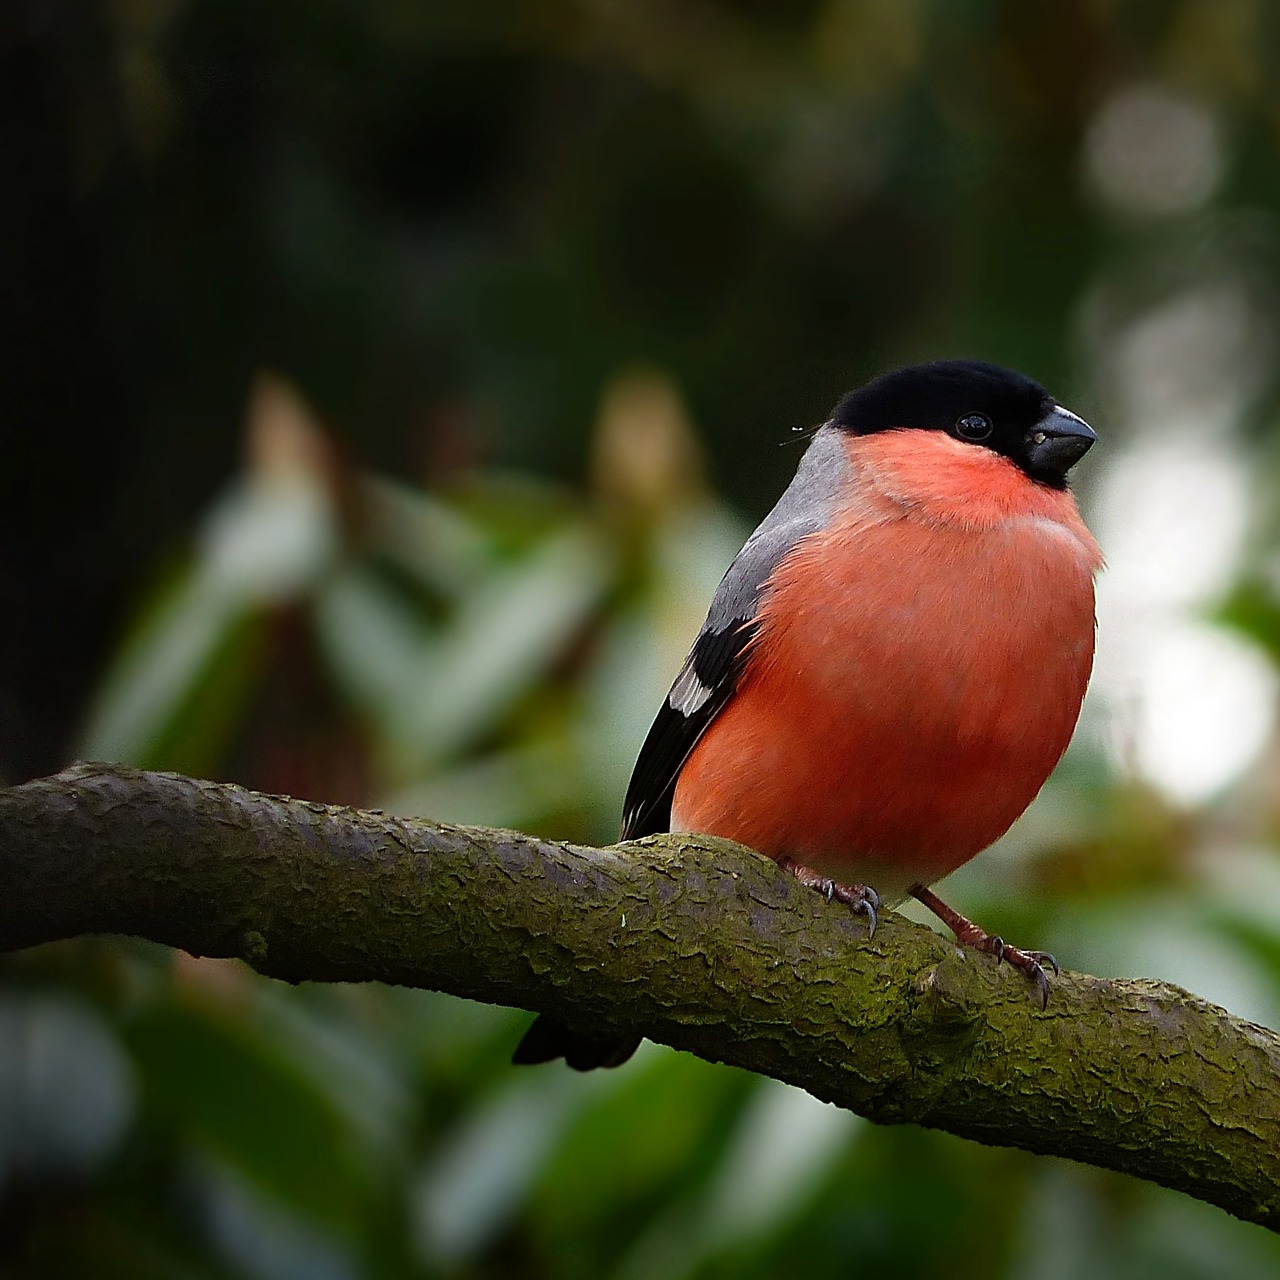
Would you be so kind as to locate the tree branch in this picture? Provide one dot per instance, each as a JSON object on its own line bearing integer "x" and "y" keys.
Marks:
{"x": 699, "y": 943}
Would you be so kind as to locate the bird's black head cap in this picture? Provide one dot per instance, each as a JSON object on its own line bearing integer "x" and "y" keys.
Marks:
{"x": 981, "y": 404}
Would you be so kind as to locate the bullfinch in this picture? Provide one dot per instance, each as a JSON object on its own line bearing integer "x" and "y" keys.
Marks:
{"x": 894, "y": 662}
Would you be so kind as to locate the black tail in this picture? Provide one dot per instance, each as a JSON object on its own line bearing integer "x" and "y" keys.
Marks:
{"x": 548, "y": 1040}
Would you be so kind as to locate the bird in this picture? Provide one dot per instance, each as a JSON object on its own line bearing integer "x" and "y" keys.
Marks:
{"x": 894, "y": 662}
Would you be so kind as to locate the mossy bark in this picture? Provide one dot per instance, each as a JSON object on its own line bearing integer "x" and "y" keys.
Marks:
{"x": 698, "y": 943}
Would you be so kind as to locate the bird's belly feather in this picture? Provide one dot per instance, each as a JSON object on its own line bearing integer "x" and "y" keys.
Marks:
{"x": 894, "y": 721}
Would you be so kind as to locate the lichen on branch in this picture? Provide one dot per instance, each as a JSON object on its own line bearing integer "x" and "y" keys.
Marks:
{"x": 698, "y": 943}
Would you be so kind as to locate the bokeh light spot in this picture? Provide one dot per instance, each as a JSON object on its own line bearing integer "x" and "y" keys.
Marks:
{"x": 1149, "y": 151}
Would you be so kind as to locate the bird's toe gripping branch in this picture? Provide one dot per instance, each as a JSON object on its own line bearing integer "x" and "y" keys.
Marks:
{"x": 861, "y": 898}
{"x": 1031, "y": 963}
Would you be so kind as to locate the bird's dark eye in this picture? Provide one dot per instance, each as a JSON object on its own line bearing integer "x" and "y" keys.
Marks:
{"x": 973, "y": 426}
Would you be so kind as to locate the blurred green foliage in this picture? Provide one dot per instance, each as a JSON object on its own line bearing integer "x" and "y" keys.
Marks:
{"x": 527, "y": 275}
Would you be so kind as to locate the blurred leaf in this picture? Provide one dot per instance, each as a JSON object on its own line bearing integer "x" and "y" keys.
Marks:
{"x": 435, "y": 542}
{"x": 180, "y": 682}
{"x": 634, "y": 1151}
{"x": 378, "y": 647}
{"x": 338, "y": 1040}
{"x": 472, "y": 1188}
{"x": 509, "y": 628}
{"x": 518, "y": 789}
{"x": 784, "y": 1143}
{"x": 435, "y": 691}
{"x": 1080, "y": 1222}
{"x": 1253, "y": 609}
{"x": 193, "y": 640}
{"x": 239, "y": 1099}
{"x": 259, "y": 1238}
{"x": 66, "y": 1088}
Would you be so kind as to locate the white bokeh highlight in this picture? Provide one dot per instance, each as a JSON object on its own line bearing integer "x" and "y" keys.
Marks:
{"x": 1150, "y": 152}
{"x": 1183, "y": 703}
{"x": 1204, "y": 711}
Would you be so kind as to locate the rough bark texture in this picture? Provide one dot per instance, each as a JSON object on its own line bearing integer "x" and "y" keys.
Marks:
{"x": 699, "y": 943}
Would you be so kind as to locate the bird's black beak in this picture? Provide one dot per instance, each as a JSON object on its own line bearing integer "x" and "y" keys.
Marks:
{"x": 1056, "y": 443}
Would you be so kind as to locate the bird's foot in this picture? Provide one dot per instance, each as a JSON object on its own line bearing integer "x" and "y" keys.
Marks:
{"x": 861, "y": 898}
{"x": 1031, "y": 963}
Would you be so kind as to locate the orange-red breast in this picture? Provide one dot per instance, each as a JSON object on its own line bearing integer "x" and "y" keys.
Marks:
{"x": 894, "y": 662}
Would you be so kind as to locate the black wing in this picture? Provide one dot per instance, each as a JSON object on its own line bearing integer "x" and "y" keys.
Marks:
{"x": 705, "y": 683}
{"x": 714, "y": 666}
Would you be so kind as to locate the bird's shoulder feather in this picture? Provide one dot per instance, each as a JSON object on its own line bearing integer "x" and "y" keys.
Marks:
{"x": 713, "y": 668}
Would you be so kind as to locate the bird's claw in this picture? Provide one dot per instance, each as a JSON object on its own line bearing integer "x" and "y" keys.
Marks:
{"x": 1042, "y": 985}
{"x": 860, "y": 898}
{"x": 1031, "y": 963}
